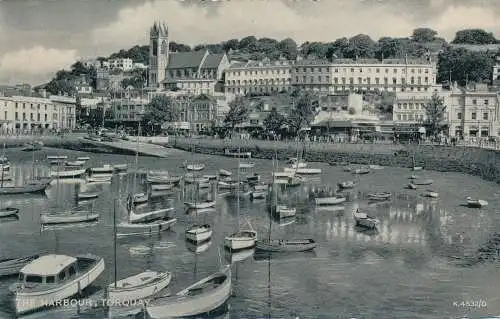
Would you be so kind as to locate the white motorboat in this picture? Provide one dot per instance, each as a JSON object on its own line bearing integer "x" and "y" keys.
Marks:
{"x": 120, "y": 167}
{"x": 284, "y": 211}
{"x": 303, "y": 171}
{"x": 12, "y": 266}
{"x": 200, "y": 205}
{"x": 476, "y": 203}
{"x": 363, "y": 220}
{"x": 56, "y": 157}
{"x": 105, "y": 169}
{"x": 225, "y": 173}
{"x": 51, "y": 278}
{"x": 157, "y": 178}
{"x": 246, "y": 165}
{"x": 377, "y": 167}
{"x": 68, "y": 217}
{"x": 347, "y": 184}
{"x": 162, "y": 187}
{"x": 298, "y": 164}
{"x": 228, "y": 185}
{"x": 195, "y": 167}
{"x": 135, "y": 218}
{"x": 431, "y": 194}
{"x": 202, "y": 297}
{"x": 144, "y": 229}
{"x": 242, "y": 239}
{"x": 140, "y": 198}
{"x": 332, "y": 200}
{"x": 75, "y": 163}
{"x": 83, "y": 158}
{"x": 87, "y": 195}
{"x": 199, "y": 233}
{"x": 68, "y": 173}
{"x": 417, "y": 168}
{"x": 361, "y": 171}
{"x": 8, "y": 211}
{"x": 379, "y": 196}
{"x": 137, "y": 287}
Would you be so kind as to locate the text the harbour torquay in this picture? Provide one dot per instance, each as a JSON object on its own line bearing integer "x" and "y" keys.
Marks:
{"x": 87, "y": 303}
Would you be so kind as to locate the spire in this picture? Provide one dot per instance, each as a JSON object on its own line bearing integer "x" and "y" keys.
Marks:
{"x": 164, "y": 28}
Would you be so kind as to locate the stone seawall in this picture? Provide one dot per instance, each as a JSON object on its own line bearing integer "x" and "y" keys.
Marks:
{"x": 467, "y": 160}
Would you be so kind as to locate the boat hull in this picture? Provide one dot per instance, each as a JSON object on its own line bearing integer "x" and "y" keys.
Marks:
{"x": 330, "y": 200}
{"x": 54, "y": 219}
{"x": 199, "y": 234}
{"x": 32, "y": 188}
{"x": 303, "y": 171}
{"x": 146, "y": 229}
{"x": 200, "y": 205}
{"x": 234, "y": 243}
{"x": 8, "y": 211}
{"x": 9, "y": 267}
{"x": 139, "y": 291}
{"x": 285, "y": 245}
{"x": 184, "y": 306}
{"x": 162, "y": 187}
{"x": 30, "y": 301}
{"x": 68, "y": 174}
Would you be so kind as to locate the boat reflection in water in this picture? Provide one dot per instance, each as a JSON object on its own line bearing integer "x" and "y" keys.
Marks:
{"x": 283, "y": 256}
{"x": 9, "y": 219}
{"x": 238, "y": 256}
{"x": 200, "y": 248}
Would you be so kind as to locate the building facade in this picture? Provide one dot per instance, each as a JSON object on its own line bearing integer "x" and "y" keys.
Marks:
{"x": 393, "y": 75}
{"x": 128, "y": 109}
{"x": 25, "y": 114}
{"x": 496, "y": 73}
{"x": 258, "y": 77}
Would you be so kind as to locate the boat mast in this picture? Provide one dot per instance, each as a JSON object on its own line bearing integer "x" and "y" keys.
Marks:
{"x": 32, "y": 162}
{"x": 3, "y": 164}
{"x": 238, "y": 186}
{"x": 114, "y": 239}
{"x": 136, "y": 155}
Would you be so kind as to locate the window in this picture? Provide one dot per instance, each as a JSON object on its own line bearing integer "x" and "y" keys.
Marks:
{"x": 351, "y": 80}
{"x": 50, "y": 279}
{"x": 72, "y": 271}
{"x": 474, "y": 102}
{"x": 399, "y": 105}
{"x": 474, "y": 116}
{"x": 319, "y": 78}
{"x": 399, "y": 117}
{"x": 335, "y": 80}
{"x": 5, "y": 115}
{"x": 33, "y": 278}
{"x": 24, "y": 116}
{"x": 17, "y": 116}
{"x": 459, "y": 115}
{"x": 395, "y": 70}
{"x": 377, "y": 70}
{"x": 32, "y": 118}
{"x": 485, "y": 116}
{"x": 386, "y": 70}
{"x": 486, "y": 102}
{"x": 24, "y": 106}
{"x": 38, "y": 117}
{"x": 62, "y": 275}
{"x": 352, "y": 69}
{"x": 360, "y": 80}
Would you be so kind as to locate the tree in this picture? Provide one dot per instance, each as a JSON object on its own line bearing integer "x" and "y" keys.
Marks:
{"x": 465, "y": 66}
{"x": 248, "y": 44}
{"x": 435, "y": 111}
{"x": 474, "y": 36}
{"x": 238, "y": 112}
{"x": 231, "y": 45}
{"x": 161, "y": 109}
{"x": 288, "y": 48}
{"x": 423, "y": 35}
{"x": 360, "y": 46}
{"x": 178, "y": 47}
{"x": 274, "y": 121}
{"x": 303, "y": 112}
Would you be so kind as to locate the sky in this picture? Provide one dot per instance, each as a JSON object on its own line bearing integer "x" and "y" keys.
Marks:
{"x": 39, "y": 37}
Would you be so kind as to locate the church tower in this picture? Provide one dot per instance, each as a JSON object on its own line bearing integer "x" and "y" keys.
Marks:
{"x": 158, "y": 53}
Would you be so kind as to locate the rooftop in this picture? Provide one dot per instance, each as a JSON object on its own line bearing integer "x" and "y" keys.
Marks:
{"x": 365, "y": 61}
{"x": 181, "y": 60}
{"x": 48, "y": 265}
{"x": 213, "y": 60}
{"x": 260, "y": 64}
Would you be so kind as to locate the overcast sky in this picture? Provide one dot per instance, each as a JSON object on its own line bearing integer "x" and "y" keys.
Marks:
{"x": 38, "y": 37}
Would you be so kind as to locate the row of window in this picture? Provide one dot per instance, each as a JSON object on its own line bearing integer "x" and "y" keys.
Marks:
{"x": 410, "y": 117}
{"x": 410, "y": 106}
{"x": 326, "y": 80}
{"x": 258, "y": 82}
{"x": 473, "y": 116}
{"x": 328, "y": 69}
{"x": 35, "y": 105}
{"x": 32, "y": 116}
{"x": 486, "y": 102}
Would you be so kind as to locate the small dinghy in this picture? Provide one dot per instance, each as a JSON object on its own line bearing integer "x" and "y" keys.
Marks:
{"x": 258, "y": 194}
{"x": 68, "y": 173}
{"x": 135, "y": 218}
{"x": 75, "y": 163}
{"x": 347, "y": 184}
{"x": 225, "y": 173}
{"x": 361, "y": 171}
{"x": 140, "y": 198}
{"x": 379, "y": 196}
{"x": 260, "y": 187}
{"x": 83, "y": 158}
{"x": 210, "y": 177}
{"x": 68, "y": 217}
{"x": 246, "y": 165}
{"x": 332, "y": 200}
{"x": 283, "y": 211}
{"x": 476, "y": 203}
{"x": 105, "y": 169}
{"x": 139, "y": 286}
{"x": 285, "y": 245}
{"x": 144, "y": 229}
{"x": 202, "y": 297}
{"x": 417, "y": 168}
{"x": 195, "y": 167}
{"x": 431, "y": 194}
{"x": 411, "y": 186}
{"x": 99, "y": 179}
{"x": 363, "y": 220}
{"x": 87, "y": 195}
{"x": 423, "y": 182}
{"x": 242, "y": 239}
{"x": 8, "y": 211}
{"x": 200, "y": 205}
{"x": 253, "y": 179}
{"x": 162, "y": 187}
{"x": 12, "y": 266}
{"x": 26, "y": 189}
{"x": 199, "y": 233}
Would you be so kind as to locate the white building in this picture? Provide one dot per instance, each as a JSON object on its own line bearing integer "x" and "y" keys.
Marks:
{"x": 125, "y": 110}
{"x": 124, "y": 64}
{"x": 258, "y": 77}
{"x": 22, "y": 113}
{"x": 496, "y": 72}
{"x": 141, "y": 66}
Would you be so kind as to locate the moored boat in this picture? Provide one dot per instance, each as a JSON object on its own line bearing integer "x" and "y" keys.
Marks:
{"x": 225, "y": 173}
{"x": 162, "y": 187}
{"x": 56, "y": 157}
{"x": 411, "y": 186}
{"x": 261, "y": 187}
{"x": 135, "y": 218}
{"x": 87, "y": 195}
{"x": 140, "y": 198}
{"x": 363, "y": 220}
{"x": 105, "y": 169}
{"x": 83, "y": 158}
{"x": 423, "y": 182}
{"x": 199, "y": 233}
{"x": 476, "y": 203}
{"x": 258, "y": 194}
{"x": 285, "y": 245}
{"x": 12, "y": 266}
{"x": 68, "y": 173}
{"x": 68, "y": 217}
{"x": 195, "y": 167}
{"x": 242, "y": 239}
{"x": 120, "y": 167}
{"x": 431, "y": 194}
{"x": 379, "y": 196}
{"x": 26, "y": 189}
{"x": 51, "y": 278}
{"x": 253, "y": 179}
{"x": 347, "y": 184}
{"x": 202, "y": 297}
{"x": 417, "y": 168}
{"x": 139, "y": 286}
{"x": 8, "y": 211}
{"x": 99, "y": 179}
{"x": 200, "y": 205}
{"x": 303, "y": 171}
{"x": 283, "y": 211}
{"x": 75, "y": 163}
{"x": 126, "y": 228}
{"x": 246, "y": 165}
{"x": 332, "y": 200}
{"x": 360, "y": 171}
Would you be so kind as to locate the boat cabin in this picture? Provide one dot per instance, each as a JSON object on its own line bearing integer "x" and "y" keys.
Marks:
{"x": 49, "y": 269}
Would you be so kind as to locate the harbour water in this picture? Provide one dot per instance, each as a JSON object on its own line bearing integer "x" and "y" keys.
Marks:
{"x": 409, "y": 269}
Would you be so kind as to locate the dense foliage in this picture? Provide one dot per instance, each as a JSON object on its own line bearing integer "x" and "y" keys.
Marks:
{"x": 239, "y": 109}
{"x": 274, "y": 121}
{"x": 161, "y": 109}
{"x": 435, "y": 111}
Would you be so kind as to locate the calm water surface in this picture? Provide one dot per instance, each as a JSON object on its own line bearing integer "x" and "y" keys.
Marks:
{"x": 408, "y": 270}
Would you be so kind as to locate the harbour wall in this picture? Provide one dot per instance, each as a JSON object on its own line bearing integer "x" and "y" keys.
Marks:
{"x": 484, "y": 163}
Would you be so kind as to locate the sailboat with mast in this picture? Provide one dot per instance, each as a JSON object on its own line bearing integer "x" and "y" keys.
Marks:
{"x": 138, "y": 198}
{"x": 198, "y": 233}
{"x": 199, "y": 204}
{"x": 136, "y": 287}
{"x": 241, "y": 239}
